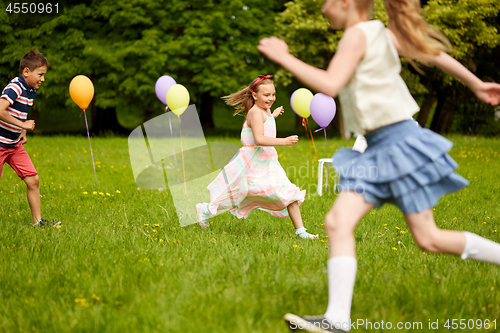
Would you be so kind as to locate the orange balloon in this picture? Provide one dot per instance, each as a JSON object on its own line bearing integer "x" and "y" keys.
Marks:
{"x": 81, "y": 91}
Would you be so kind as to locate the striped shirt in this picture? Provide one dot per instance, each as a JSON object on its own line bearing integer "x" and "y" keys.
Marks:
{"x": 20, "y": 97}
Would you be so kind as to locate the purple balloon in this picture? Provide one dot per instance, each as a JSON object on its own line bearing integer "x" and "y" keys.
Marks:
{"x": 161, "y": 87}
{"x": 323, "y": 109}
{"x": 291, "y": 99}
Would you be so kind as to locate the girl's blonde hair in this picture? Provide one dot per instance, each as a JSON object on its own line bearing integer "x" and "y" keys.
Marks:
{"x": 415, "y": 36}
{"x": 242, "y": 100}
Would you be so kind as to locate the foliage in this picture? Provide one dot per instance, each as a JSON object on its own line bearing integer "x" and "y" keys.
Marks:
{"x": 124, "y": 46}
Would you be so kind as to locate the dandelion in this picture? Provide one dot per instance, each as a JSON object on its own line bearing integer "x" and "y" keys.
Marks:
{"x": 118, "y": 192}
{"x": 146, "y": 225}
{"x": 101, "y": 193}
{"x": 69, "y": 168}
{"x": 397, "y": 228}
{"x": 157, "y": 225}
{"x": 58, "y": 226}
{"x": 81, "y": 301}
{"x": 108, "y": 194}
{"x": 96, "y": 298}
{"x": 94, "y": 192}
{"x": 403, "y": 232}
{"x": 154, "y": 230}
{"x": 85, "y": 193}
{"x": 295, "y": 245}
{"x": 394, "y": 249}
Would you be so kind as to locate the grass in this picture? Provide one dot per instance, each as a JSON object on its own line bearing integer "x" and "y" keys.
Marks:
{"x": 122, "y": 263}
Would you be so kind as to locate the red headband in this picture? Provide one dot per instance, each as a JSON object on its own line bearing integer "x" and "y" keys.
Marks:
{"x": 261, "y": 78}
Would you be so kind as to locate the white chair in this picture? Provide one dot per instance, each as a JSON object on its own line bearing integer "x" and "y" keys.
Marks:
{"x": 359, "y": 145}
{"x": 321, "y": 163}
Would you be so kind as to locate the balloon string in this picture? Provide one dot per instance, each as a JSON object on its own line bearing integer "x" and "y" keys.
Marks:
{"x": 319, "y": 129}
{"x": 182, "y": 152}
{"x": 314, "y": 145}
{"x": 91, "y": 152}
{"x": 304, "y": 123}
{"x": 172, "y": 135}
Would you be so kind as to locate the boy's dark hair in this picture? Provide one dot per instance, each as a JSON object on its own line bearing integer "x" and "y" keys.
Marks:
{"x": 32, "y": 60}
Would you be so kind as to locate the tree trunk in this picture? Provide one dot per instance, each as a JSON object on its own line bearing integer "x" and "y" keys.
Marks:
{"x": 423, "y": 115}
{"x": 339, "y": 120}
{"x": 435, "y": 124}
{"x": 206, "y": 110}
{"x": 444, "y": 120}
{"x": 104, "y": 121}
{"x": 298, "y": 121}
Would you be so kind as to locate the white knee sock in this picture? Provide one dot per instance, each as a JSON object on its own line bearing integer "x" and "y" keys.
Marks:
{"x": 481, "y": 249}
{"x": 341, "y": 277}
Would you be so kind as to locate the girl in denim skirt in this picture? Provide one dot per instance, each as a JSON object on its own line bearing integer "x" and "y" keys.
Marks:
{"x": 404, "y": 164}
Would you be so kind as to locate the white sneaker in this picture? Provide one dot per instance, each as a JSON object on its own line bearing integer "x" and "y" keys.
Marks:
{"x": 302, "y": 233}
{"x": 204, "y": 223}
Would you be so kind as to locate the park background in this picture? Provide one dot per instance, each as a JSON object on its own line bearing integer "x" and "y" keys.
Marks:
{"x": 121, "y": 262}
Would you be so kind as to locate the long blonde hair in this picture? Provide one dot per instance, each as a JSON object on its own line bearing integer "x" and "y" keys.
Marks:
{"x": 242, "y": 100}
{"x": 415, "y": 36}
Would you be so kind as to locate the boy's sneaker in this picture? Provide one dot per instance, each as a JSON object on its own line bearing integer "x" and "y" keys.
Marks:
{"x": 203, "y": 222}
{"x": 44, "y": 222}
{"x": 316, "y": 324}
{"x": 302, "y": 233}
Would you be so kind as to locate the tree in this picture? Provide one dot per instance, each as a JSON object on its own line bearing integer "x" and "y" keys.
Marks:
{"x": 125, "y": 46}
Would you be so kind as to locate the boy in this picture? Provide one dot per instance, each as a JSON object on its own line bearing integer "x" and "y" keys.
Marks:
{"x": 15, "y": 102}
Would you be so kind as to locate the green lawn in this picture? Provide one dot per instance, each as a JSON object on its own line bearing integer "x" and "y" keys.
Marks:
{"x": 122, "y": 263}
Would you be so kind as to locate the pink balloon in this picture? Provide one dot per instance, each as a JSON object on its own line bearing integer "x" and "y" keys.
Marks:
{"x": 323, "y": 109}
{"x": 161, "y": 87}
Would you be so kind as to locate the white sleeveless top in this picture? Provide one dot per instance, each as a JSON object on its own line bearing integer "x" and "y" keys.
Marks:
{"x": 376, "y": 95}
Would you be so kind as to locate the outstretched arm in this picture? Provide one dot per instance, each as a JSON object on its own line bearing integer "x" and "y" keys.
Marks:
{"x": 488, "y": 92}
{"x": 349, "y": 53}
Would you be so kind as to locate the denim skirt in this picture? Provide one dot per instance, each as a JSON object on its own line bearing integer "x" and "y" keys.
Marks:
{"x": 404, "y": 164}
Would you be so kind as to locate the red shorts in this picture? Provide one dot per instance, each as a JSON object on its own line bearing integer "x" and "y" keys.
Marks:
{"x": 18, "y": 159}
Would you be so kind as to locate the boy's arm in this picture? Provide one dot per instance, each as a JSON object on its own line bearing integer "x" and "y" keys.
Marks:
{"x": 5, "y": 116}
{"x": 23, "y": 137}
{"x": 349, "y": 53}
{"x": 488, "y": 92}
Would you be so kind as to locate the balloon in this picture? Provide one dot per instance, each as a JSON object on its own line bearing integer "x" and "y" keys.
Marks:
{"x": 301, "y": 101}
{"x": 291, "y": 99}
{"x": 161, "y": 87}
{"x": 81, "y": 91}
{"x": 177, "y": 99}
{"x": 323, "y": 109}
